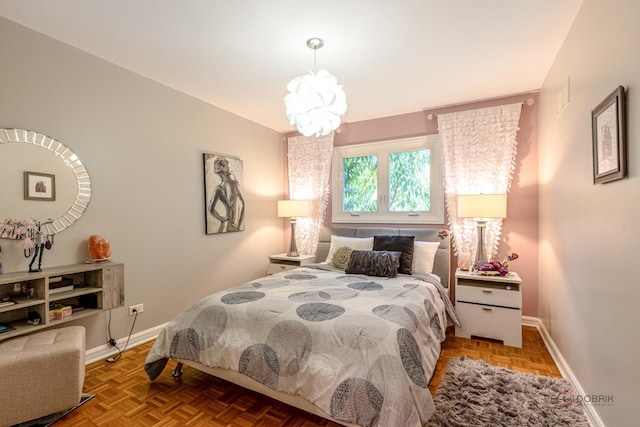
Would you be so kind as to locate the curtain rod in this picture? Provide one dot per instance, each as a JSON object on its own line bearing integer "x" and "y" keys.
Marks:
{"x": 528, "y": 101}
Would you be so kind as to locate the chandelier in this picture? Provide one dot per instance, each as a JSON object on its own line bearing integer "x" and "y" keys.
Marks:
{"x": 315, "y": 102}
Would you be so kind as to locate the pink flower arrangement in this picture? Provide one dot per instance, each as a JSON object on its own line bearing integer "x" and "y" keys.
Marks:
{"x": 501, "y": 267}
{"x": 12, "y": 228}
{"x": 512, "y": 257}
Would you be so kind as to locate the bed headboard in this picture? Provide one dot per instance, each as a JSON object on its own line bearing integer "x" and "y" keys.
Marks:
{"x": 442, "y": 262}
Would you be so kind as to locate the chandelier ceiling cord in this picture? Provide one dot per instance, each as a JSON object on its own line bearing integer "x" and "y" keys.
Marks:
{"x": 315, "y": 102}
{"x": 315, "y": 44}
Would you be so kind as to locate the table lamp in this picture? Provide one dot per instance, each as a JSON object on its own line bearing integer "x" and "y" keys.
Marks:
{"x": 482, "y": 207}
{"x": 293, "y": 209}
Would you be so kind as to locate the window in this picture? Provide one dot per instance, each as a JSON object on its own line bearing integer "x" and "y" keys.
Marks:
{"x": 395, "y": 181}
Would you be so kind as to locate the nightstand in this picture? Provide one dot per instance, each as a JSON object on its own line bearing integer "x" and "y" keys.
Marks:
{"x": 489, "y": 307}
{"x": 282, "y": 262}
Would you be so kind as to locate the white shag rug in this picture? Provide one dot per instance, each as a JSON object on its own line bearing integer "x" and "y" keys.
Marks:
{"x": 475, "y": 393}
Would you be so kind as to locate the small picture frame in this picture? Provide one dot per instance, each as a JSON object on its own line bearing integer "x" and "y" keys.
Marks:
{"x": 39, "y": 186}
{"x": 608, "y": 125}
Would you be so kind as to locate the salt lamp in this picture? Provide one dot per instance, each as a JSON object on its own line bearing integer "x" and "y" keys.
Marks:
{"x": 99, "y": 248}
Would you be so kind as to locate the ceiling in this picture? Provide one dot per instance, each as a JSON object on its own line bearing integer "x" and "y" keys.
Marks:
{"x": 392, "y": 57}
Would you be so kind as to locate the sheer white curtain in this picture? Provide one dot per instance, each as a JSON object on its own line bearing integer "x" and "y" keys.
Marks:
{"x": 309, "y": 164}
{"x": 479, "y": 149}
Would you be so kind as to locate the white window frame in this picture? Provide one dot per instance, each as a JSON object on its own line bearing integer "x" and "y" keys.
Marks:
{"x": 382, "y": 149}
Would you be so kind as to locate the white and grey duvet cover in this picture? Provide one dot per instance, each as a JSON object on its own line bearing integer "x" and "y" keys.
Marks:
{"x": 360, "y": 348}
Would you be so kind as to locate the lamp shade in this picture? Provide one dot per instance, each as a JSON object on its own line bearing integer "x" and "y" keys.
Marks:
{"x": 315, "y": 103}
{"x": 482, "y": 206}
{"x": 293, "y": 208}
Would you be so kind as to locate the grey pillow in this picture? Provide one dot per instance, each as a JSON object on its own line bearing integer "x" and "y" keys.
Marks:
{"x": 374, "y": 263}
{"x": 402, "y": 244}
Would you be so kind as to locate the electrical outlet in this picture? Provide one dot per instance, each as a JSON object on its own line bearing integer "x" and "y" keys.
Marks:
{"x": 138, "y": 307}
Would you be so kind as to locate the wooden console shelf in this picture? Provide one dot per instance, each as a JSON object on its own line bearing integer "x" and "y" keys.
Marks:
{"x": 89, "y": 289}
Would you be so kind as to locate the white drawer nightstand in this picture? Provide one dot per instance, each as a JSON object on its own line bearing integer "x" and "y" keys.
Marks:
{"x": 489, "y": 307}
{"x": 282, "y": 262}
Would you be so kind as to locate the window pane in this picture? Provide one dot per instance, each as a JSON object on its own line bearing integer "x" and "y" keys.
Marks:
{"x": 410, "y": 181}
{"x": 360, "y": 184}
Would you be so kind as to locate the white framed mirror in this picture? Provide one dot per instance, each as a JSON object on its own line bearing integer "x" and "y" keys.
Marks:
{"x": 23, "y": 151}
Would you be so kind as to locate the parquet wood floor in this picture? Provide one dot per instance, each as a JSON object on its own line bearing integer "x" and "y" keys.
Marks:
{"x": 126, "y": 397}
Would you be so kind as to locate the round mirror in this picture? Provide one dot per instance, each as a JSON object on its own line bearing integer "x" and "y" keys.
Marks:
{"x": 41, "y": 178}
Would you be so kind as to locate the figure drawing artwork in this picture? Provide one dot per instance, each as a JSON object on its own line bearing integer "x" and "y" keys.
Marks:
{"x": 224, "y": 201}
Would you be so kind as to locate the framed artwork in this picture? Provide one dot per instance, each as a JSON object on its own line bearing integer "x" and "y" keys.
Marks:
{"x": 223, "y": 193}
{"x": 608, "y": 124}
{"x": 39, "y": 186}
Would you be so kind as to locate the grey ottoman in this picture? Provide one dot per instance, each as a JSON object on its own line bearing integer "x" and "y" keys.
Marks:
{"x": 41, "y": 374}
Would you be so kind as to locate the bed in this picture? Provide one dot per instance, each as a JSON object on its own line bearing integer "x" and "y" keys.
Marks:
{"x": 357, "y": 349}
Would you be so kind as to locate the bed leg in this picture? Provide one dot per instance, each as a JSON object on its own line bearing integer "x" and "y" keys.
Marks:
{"x": 177, "y": 372}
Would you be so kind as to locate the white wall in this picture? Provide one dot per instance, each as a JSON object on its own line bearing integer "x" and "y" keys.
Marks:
{"x": 142, "y": 144}
{"x": 590, "y": 234}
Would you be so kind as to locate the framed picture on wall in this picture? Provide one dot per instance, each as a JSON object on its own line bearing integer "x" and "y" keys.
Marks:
{"x": 39, "y": 186}
{"x": 223, "y": 193}
{"x": 608, "y": 123}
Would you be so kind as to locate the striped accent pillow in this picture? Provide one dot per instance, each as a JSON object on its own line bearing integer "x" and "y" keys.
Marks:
{"x": 374, "y": 263}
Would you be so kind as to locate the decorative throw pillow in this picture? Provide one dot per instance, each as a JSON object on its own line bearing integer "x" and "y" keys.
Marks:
{"x": 341, "y": 257}
{"x": 424, "y": 255}
{"x": 402, "y": 244}
{"x": 337, "y": 242}
{"x": 374, "y": 263}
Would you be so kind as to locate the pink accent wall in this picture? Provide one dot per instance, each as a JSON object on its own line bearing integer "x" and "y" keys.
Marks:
{"x": 520, "y": 228}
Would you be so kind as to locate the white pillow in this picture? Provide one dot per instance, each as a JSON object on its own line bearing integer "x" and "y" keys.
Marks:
{"x": 424, "y": 254}
{"x": 354, "y": 243}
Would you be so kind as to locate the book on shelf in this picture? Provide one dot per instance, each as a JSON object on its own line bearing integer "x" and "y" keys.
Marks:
{"x": 60, "y": 289}
{"x": 5, "y": 327}
{"x": 60, "y": 284}
{"x": 6, "y": 303}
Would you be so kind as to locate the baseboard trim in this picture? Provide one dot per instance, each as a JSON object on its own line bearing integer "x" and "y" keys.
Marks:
{"x": 563, "y": 367}
{"x": 105, "y": 351}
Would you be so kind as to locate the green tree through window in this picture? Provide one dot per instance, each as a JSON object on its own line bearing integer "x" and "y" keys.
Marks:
{"x": 360, "y": 186}
{"x": 409, "y": 181}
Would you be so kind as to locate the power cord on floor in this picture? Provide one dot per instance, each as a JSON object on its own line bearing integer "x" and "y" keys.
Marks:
{"x": 113, "y": 342}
